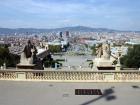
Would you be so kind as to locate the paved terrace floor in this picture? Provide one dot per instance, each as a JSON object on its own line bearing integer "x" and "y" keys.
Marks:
{"x": 50, "y": 93}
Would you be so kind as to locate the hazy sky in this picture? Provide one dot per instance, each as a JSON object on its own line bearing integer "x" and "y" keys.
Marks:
{"x": 115, "y": 14}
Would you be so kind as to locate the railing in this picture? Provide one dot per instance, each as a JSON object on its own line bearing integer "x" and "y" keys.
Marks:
{"x": 72, "y": 76}
{"x": 11, "y": 75}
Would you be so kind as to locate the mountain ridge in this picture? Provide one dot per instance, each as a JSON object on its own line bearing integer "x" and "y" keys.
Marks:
{"x": 74, "y": 28}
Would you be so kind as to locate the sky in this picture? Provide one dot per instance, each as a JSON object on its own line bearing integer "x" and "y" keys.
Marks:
{"x": 113, "y": 14}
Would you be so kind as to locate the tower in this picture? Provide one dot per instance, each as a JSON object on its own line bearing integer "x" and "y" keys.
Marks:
{"x": 61, "y": 34}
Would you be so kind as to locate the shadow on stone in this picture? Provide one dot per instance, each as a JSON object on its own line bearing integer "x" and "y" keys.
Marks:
{"x": 50, "y": 85}
{"x": 136, "y": 87}
{"x": 107, "y": 94}
{"x": 110, "y": 98}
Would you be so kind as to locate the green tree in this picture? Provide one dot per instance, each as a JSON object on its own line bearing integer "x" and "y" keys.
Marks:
{"x": 93, "y": 48}
{"x": 55, "y": 48}
{"x": 5, "y": 56}
{"x": 132, "y": 59}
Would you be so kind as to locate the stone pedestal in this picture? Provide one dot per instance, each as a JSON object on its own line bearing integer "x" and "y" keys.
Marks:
{"x": 25, "y": 66}
{"x": 103, "y": 64}
{"x": 25, "y": 63}
{"x": 118, "y": 67}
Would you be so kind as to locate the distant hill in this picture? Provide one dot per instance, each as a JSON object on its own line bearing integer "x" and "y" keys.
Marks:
{"x": 84, "y": 29}
{"x": 35, "y": 30}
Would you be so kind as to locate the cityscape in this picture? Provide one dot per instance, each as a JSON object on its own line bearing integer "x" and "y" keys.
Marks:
{"x": 69, "y": 52}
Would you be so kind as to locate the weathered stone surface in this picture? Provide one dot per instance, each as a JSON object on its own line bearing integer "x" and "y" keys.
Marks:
{"x": 51, "y": 93}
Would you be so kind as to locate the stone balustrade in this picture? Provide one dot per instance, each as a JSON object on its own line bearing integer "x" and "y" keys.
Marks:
{"x": 72, "y": 76}
{"x": 8, "y": 75}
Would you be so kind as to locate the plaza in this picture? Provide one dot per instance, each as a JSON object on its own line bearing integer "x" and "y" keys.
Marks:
{"x": 58, "y": 93}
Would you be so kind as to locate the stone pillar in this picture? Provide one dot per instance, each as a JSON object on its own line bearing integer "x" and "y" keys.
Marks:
{"x": 69, "y": 67}
{"x": 118, "y": 67}
{"x": 55, "y": 65}
{"x": 1, "y": 67}
{"x": 4, "y": 66}
{"x": 80, "y": 67}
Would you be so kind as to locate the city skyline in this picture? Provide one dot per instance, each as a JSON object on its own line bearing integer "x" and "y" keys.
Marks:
{"x": 113, "y": 14}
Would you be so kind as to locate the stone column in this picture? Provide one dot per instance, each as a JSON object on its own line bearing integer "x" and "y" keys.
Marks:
{"x": 118, "y": 65}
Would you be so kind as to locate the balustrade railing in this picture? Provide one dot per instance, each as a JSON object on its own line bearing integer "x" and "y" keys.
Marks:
{"x": 73, "y": 76}
{"x": 7, "y": 75}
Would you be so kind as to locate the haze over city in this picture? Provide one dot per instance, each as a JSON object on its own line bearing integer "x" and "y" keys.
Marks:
{"x": 113, "y": 14}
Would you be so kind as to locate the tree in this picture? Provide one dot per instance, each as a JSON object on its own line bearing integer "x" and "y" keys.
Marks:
{"x": 6, "y": 57}
{"x": 55, "y": 48}
{"x": 132, "y": 59}
{"x": 93, "y": 48}
{"x": 49, "y": 62}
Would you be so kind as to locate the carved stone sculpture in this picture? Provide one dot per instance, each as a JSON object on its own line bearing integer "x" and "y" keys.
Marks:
{"x": 29, "y": 54}
{"x": 106, "y": 51}
{"x": 103, "y": 51}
